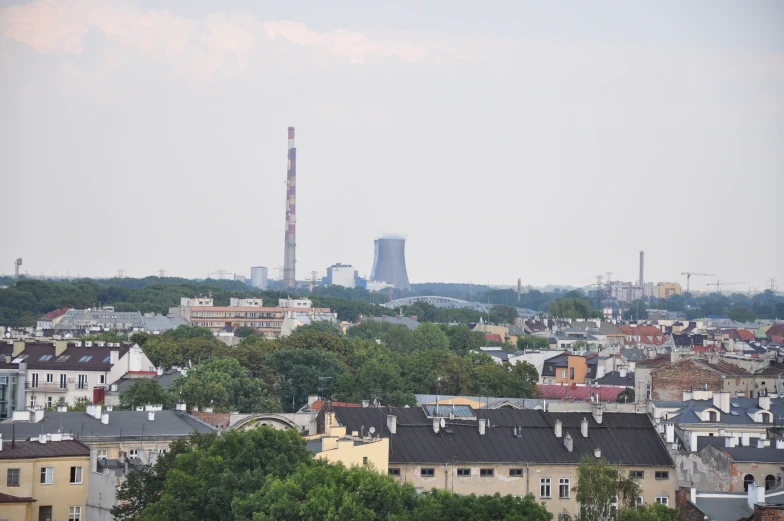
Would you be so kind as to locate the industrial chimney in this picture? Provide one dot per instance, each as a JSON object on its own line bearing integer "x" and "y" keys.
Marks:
{"x": 642, "y": 268}
{"x": 289, "y": 259}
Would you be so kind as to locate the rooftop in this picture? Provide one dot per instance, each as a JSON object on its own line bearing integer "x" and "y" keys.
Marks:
{"x": 33, "y": 449}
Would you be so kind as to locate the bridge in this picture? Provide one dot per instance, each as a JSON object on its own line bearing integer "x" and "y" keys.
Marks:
{"x": 439, "y": 302}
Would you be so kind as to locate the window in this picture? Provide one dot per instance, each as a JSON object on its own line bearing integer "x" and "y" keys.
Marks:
{"x": 107, "y": 359}
{"x": 49, "y": 378}
{"x": 45, "y": 358}
{"x": 571, "y": 373}
{"x": 564, "y": 489}
{"x": 427, "y": 473}
{"x": 394, "y": 472}
{"x": 101, "y": 453}
{"x": 13, "y": 478}
{"x": 464, "y": 472}
{"x": 82, "y": 381}
{"x": 563, "y": 373}
{"x": 63, "y": 381}
{"x": 770, "y": 482}
{"x": 76, "y": 475}
{"x": 133, "y": 453}
{"x": 102, "y": 379}
{"x": 364, "y": 460}
{"x": 74, "y": 513}
{"x": 47, "y": 475}
{"x": 640, "y": 501}
{"x": 486, "y": 473}
{"x": 62, "y": 358}
{"x": 544, "y": 488}
{"x": 33, "y": 400}
{"x": 712, "y": 416}
{"x": 636, "y": 474}
{"x": 748, "y": 479}
{"x": 515, "y": 473}
{"x": 648, "y": 391}
{"x": 662, "y": 474}
{"x": 34, "y": 380}
{"x": 86, "y": 358}
{"x": 663, "y": 500}
{"x": 49, "y": 402}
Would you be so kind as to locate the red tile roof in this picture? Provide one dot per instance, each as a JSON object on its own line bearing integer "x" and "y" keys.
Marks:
{"x": 777, "y": 339}
{"x": 775, "y": 330}
{"x": 744, "y": 334}
{"x": 563, "y": 392}
{"x": 493, "y": 337}
{"x": 319, "y": 404}
{"x": 56, "y": 313}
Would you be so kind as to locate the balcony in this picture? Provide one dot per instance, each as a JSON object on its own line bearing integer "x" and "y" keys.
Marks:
{"x": 45, "y": 387}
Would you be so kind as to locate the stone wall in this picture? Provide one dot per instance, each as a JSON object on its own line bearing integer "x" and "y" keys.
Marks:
{"x": 668, "y": 383}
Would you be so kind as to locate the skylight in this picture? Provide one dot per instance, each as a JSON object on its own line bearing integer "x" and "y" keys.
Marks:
{"x": 86, "y": 358}
{"x": 735, "y": 404}
{"x": 107, "y": 359}
{"x": 45, "y": 358}
{"x": 63, "y": 358}
{"x": 734, "y": 413}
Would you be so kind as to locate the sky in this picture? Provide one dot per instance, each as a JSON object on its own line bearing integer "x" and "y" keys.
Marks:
{"x": 547, "y": 141}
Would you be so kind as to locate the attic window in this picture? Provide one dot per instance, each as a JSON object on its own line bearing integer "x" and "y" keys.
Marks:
{"x": 107, "y": 359}
{"x": 45, "y": 358}
{"x": 62, "y": 358}
{"x": 735, "y": 404}
{"x": 86, "y": 358}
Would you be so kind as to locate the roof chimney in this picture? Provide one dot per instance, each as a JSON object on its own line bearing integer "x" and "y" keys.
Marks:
{"x": 392, "y": 423}
{"x": 19, "y": 346}
{"x": 756, "y": 494}
{"x": 558, "y": 428}
{"x": 482, "y": 426}
{"x": 59, "y": 347}
{"x": 597, "y": 453}
{"x": 764, "y": 402}
{"x": 569, "y": 442}
{"x": 1, "y": 443}
{"x": 436, "y": 425}
{"x": 151, "y": 416}
{"x": 584, "y": 428}
{"x": 598, "y": 411}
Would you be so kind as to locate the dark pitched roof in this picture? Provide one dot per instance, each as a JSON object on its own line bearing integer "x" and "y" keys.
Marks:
{"x": 614, "y": 378}
{"x": 628, "y": 439}
{"x": 8, "y": 498}
{"x": 724, "y": 368}
{"x": 50, "y": 449}
{"x": 744, "y": 454}
{"x": 658, "y": 361}
{"x": 577, "y": 392}
{"x": 41, "y": 356}
{"x": 122, "y": 424}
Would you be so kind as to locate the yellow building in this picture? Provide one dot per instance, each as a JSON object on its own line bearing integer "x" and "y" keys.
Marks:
{"x": 44, "y": 479}
{"x": 336, "y": 445}
{"x": 668, "y": 289}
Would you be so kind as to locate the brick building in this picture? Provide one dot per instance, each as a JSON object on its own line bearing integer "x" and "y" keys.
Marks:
{"x": 668, "y": 382}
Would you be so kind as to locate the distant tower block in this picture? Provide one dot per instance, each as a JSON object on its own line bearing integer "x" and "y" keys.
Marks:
{"x": 258, "y": 277}
{"x": 389, "y": 262}
{"x": 289, "y": 259}
{"x": 642, "y": 268}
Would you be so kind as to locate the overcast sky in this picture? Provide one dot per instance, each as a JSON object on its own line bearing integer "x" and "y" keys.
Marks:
{"x": 542, "y": 140}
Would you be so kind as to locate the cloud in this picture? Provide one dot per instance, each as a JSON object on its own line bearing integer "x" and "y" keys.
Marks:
{"x": 200, "y": 47}
{"x": 349, "y": 44}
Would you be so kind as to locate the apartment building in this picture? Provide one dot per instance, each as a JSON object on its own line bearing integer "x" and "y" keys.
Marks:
{"x": 252, "y": 313}
{"x": 515, "y": 451}
{"x": 45, "y": 478}
{"x": 566, "y": 369}
{"x": 49, "y": 371}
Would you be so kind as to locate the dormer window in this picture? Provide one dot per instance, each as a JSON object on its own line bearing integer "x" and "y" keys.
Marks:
{"x": 712, "y": 416}
{"x": 764, "y": 417}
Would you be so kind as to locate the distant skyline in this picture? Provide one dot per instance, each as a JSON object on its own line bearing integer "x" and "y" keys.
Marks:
{"x": 514, "y": 139}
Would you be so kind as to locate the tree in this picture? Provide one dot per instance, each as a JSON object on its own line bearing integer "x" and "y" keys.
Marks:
{"x": 573, "y": 308}
{"x": 320, "y": 326}
{"x": 637, "y": 310}
{"x": 741, "y": 314}
{"x": 625, "y": 396}
{"x": 299, "y": 371}
{"x": 429, "y": 336}
{"x": 377, "y": 376}
{"x": 600, "y": 486}
{"x": 139, "y": 338}
{"x": 222, "y": 383}
{"x": 531, "y": 342}
{"x": 462, "y": 339}
{"x": 244, "y": 331}
{"x": 655, "y": 512}
{"x": 503, "y": 314}
{"x": 146, "y": 391}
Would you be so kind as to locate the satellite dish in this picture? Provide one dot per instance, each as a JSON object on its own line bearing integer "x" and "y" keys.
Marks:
{"x": 443, "y": 423}
{"x": 372, "y": 430}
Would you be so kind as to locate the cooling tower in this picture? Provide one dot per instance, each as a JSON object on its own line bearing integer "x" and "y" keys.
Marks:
{"x": 389, "y": 262}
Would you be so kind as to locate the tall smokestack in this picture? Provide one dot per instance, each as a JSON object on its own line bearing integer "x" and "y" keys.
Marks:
{"x": 290, "y": 256}
{"x": 642, "y": 268}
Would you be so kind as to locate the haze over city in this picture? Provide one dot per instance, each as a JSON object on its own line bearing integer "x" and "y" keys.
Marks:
{"x": 514, "y": 139}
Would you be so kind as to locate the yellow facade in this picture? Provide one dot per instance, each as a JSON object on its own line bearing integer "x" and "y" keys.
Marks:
{"x": 338, "y": 446}
{"x": 60, "y": 495}
{"x": 668, "y": 289}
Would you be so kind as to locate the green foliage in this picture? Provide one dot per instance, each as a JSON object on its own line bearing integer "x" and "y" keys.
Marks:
{"x": 503, "y": 314}
{"x": 222, "y": 383}
{"x": 462, "y": 339}
{"x": 573, "y": 308}
{"x": 299, "y": 371}
{"x": 78, "y": 405}
{"x": 183, "y": 345}
{"x": 395, "y": 336}
{"x": 598, "y": 484}
{"x": 429, "y": 336}
{"x": 525, "y": 343}
{"x": 649, "y": 513}
{"x": 625, "y": 396}
{"x": 145, "y": 391}
{"x": 265, "y": 475}
{"x": 244, "y": 331}
{"x": 139, "y": 339}
{"x": 638, "y": 310}
{"x": 741, "y": 314}
{"x": 320, "y": 326}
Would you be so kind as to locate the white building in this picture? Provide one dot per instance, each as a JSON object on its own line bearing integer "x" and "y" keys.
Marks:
{"x": 342, "y": 275}
{"x": 377, "y": 285}
{"x": 71, "y": 370}
{"x": 293, "y": 319}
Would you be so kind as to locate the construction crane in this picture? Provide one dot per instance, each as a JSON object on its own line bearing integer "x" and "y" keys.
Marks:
{"x": 720, "y": 283}
{"x": 690, "y": 273}
{"x": 220, "y": 273}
